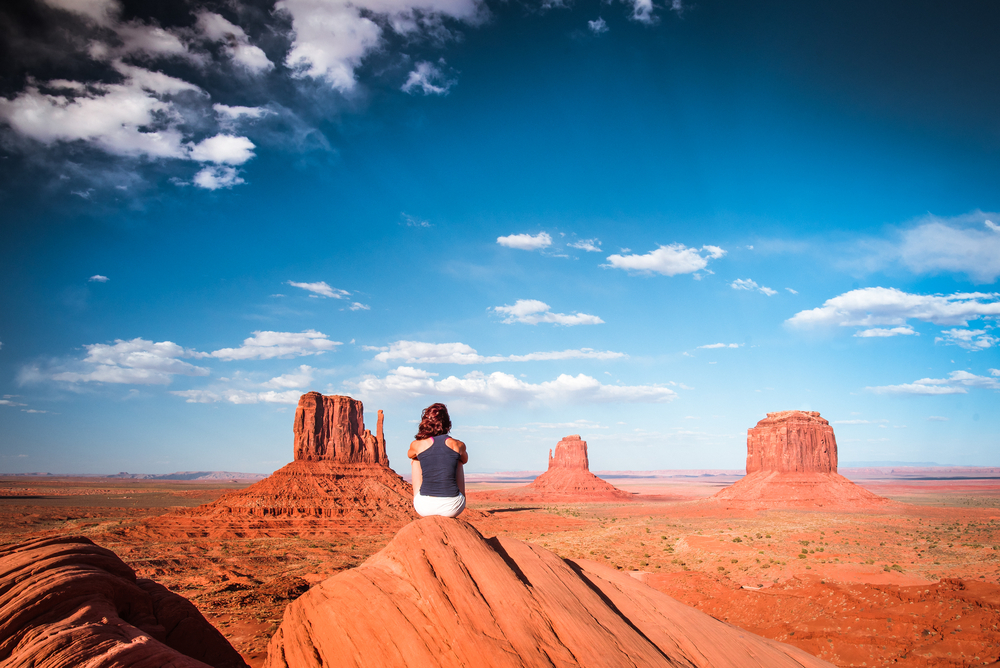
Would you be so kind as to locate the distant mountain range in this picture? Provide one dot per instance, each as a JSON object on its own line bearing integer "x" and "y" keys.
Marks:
{"x": 182, "y": 475}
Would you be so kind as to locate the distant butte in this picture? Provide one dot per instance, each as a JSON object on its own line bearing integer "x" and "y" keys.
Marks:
{"x": 792, "y": 463}
{"x": 339, "y": 482}
{"x": 568, "y": 478}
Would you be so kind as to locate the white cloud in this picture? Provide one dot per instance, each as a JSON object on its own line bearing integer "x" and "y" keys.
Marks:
{"x": 599, "y": 26}
{"x": 97, "y": 278}
{"x": 358, "y": 306}
{"x": 101, "y": 12}
{"x": 503, "y": 388}
{"x": 223, "y": 150}
{"x": 720, "y": 345}
{"x": 322, "y": 289}
{"x": 642, "y": 10}
{"x": 967, "y": 244}
{"x": 995, "y": 372}
{"x": 332, "y": 37}
{"x": 794, "y": 292}
{"x": 238, "y": 396}
{"x": 411, "y": 221}
{"x": 427, "y": 78}
{"x": 888, "y": 306}
{"x": 235, "y": 42}
{"x": 267, "y": 345}
{"x": 298, "y": 379}
{"x": 882, "y": 332}
{"x": 140, "y": 39}
{"x": 589, "y": 245}
{"x": 234, "y": 113}
{"x": 418, "y": 352}
{"x": 532, "y": 312}
{"x": 667, "y": 260}
{"x": 526, "y": 241}
{"x": 216, "y": 177}
{"x": 135, "y": 362}
{"x": 955, "y": 383}
{"x": 970, "y": 339}
{"x": 133, "y": 118}
{"x": 748, "y": 284}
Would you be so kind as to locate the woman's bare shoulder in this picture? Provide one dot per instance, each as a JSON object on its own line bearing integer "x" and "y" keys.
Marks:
{"x": 455, "y": 444}
{"x": 418, "y": 446}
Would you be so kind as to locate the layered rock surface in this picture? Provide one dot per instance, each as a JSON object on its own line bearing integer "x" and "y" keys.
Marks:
{"x": 67, "y": 602}
{"x": 340, "y": 473}
{"x": 792, "y": 463}
{"x": 441, "y": 595}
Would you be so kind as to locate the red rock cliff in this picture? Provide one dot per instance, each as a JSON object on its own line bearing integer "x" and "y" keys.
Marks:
{"x": 332, "y": 428}
{"x": 792, "y": 441}
{"x": 571, "y": 453}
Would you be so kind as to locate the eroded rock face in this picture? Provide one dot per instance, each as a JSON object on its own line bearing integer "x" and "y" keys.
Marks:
{"x": 67, "y": 602}
{"x": 441, "y": 595}
{"x": 570, "y": 453}
{"x": 332, "y": 428}
{"x": 792, "y": 441}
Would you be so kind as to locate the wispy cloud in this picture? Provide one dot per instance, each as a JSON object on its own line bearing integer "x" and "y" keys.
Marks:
{"x": 418, "y": 352}
{"x": 719, "y": 345}
{"x": 322, "y": 289}
{"x": 870, "y": 307}
{"x": 97, "y": 278}
{"x": 598, "y": 27}
{"x": 134, "y": 362}
{"x": 411, "y": 221}
{"x": 429, "y": 79}
{"x": 268, "y": 345}
{"x": 533, "y": 312}
{"x": 526, "y": 241}
{"x": 589, "y": 245}
{"x": 299, "y": 379}
{"x": 955, "y": 383}
{"x": 238, "y": 396}
{"x": 501, "y": 388}
{"x": 968, "y": 244}
{"x": 970, "y": 339}
{"x": 748, "y": 284}
{"x": 667, "y": 260}
{"x": 881, "y": 332}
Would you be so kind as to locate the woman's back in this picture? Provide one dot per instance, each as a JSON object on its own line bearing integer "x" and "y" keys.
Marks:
{"x": 438, "y": 465}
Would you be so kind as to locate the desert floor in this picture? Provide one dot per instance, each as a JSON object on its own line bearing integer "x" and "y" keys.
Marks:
{"x": 915, "y": 584}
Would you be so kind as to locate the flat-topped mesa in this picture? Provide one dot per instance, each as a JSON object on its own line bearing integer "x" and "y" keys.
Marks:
{"x": 792, "y": 441}
{"x": 570, "y": 453}
{"x": 332, "y": 428}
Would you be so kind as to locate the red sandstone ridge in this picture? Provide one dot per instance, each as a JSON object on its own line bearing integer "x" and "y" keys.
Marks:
{"x": 67, "y": 602}
{"x": 340, "y": 473}
{"x": 440, "y": 595}
{"x": 792, "y": 463}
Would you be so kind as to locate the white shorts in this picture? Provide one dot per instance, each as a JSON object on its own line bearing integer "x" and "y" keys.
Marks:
{"x": 446, "y": 506}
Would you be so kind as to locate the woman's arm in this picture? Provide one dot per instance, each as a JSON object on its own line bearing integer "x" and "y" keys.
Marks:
{"x": 459, "y": 447}
{"x": 416, "y": 476}
{"x": 460, "y": 478}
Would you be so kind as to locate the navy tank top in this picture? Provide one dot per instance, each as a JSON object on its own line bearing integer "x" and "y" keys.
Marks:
{"x": 439, "y": 466}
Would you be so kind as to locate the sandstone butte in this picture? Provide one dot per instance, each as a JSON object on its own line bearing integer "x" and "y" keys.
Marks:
{"x": 339, "y": 481}
{"x": 441, "y": 595}
{"x": 67, "y": 602}
{"x": 792, "y": 463}
{"x": 568, "y": 478}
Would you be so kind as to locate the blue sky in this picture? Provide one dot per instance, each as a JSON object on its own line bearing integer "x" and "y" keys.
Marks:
{"x": 647, "y": 224}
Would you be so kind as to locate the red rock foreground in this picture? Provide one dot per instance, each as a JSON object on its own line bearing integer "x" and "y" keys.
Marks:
{"x": 792, "y": 463}
{"x": 567, "y": 479}
{"x": 442, "y": 595}
{"x": 67, "y": 602}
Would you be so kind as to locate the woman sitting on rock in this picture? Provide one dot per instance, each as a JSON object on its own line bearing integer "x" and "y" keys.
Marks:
{"x": 438, "y": 459}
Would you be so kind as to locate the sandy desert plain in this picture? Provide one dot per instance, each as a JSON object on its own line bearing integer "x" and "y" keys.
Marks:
{"x": 914, "y": 582}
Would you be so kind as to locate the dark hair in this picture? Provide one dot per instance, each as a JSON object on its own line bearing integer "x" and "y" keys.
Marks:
{"x": 434, "y": 421}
